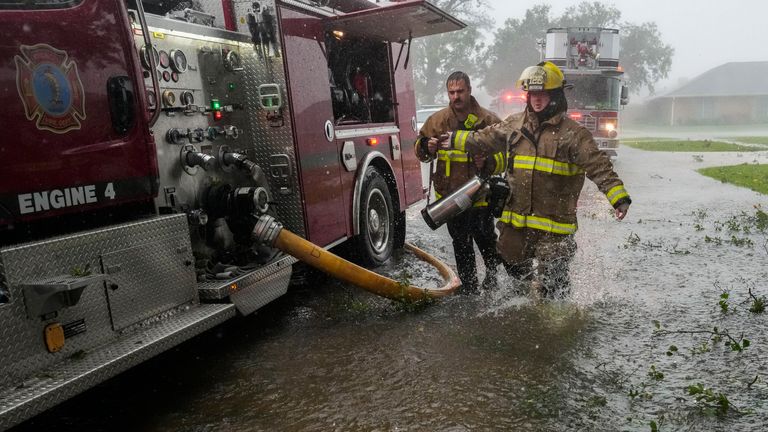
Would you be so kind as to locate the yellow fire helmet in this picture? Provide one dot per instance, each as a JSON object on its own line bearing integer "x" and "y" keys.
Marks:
{"x": 544, "y": 76}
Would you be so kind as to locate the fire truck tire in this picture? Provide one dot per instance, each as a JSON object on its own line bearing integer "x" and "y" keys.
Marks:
{"x": 400, "y": 230}
{"x": 376, "y": 240}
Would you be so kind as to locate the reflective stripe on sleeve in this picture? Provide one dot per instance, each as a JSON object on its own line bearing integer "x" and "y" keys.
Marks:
{"x": 536, "y": 222}
{"x": 499, "y": 158}
{"x": 616, "y": 193}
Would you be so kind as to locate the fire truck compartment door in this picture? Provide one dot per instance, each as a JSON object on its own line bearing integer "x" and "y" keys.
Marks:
{"x": 149, "y": 278}
{"x": 396, "y": 22}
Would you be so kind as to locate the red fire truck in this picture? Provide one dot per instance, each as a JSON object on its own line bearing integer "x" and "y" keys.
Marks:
{"x": 589, "y": 58}
{"x": 509, "y": 101}
{"x": 145, "y": 139}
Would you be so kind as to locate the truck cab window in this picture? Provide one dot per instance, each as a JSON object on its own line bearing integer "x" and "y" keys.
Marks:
{"x": 360, "y": 80}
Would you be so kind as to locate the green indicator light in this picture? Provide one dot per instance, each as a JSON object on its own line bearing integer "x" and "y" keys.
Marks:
{"x": 231, "y": 86}
{"x": 215, "y": 104}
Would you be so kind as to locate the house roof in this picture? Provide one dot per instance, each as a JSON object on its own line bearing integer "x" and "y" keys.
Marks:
{"x": 729, "y": 79}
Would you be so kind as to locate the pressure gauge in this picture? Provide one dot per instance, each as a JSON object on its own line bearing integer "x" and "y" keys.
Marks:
{"x": 178, "y": 61}
{"x": 187, "y": 98}
{"x": 151, "y": 101}
{"x": 165, "y": 60}
{"x": 169, "y": 98}
{"x": 145, "y": 59}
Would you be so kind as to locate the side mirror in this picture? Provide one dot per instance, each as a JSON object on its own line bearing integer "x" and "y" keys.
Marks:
{"x": 624, "y": 95}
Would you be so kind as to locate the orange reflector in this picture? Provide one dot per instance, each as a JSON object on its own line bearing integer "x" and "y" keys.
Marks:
{"x": 54, "y": 337}
{"x": 233, "y": 287}
{"x": 372, "y": 141}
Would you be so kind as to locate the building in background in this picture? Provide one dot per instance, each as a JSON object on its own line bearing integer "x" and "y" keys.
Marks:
{"x": 732, "y": 93}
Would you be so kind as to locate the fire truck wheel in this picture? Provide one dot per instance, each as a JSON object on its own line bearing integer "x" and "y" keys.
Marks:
{"x": 400, "y": 230}
{"x": 377, "y": 220}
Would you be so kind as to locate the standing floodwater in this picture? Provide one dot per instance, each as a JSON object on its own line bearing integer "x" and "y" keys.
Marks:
{"x": 331, "y": 357}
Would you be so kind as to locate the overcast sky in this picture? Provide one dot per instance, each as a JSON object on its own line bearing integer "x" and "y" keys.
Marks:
{"x": 704, "y": 33}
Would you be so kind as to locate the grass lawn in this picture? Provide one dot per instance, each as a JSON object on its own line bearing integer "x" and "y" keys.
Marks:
{"x": 750, "y": 176}
{"x": 688, "y": 146}
{"x": 751, "y": 139}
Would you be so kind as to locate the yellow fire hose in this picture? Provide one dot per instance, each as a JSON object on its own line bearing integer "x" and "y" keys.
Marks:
{"x": 270, "y": 232}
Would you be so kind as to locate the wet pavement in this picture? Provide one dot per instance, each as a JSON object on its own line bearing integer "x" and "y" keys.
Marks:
{"x": 332, "y": 357}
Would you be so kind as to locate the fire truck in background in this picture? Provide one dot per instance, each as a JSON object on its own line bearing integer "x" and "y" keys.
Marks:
{"x": 508, "y": 102}
{"x": 589, "y": 58}
{"x": 146, "y": 139}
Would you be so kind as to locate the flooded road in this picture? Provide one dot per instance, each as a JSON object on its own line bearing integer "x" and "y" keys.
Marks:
{"x": 332, "y": 357}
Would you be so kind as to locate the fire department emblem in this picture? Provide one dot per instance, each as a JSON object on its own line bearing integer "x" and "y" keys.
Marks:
{"x": 50, "y": 88}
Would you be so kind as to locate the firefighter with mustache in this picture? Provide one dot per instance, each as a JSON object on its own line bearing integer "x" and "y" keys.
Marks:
{"x": 453, "y": 169}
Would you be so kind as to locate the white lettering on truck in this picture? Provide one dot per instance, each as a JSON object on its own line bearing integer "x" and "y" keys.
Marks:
{"x": 59, "y": 198}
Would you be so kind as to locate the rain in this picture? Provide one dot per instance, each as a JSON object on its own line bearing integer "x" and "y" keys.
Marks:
{"x": 663, "y": 329}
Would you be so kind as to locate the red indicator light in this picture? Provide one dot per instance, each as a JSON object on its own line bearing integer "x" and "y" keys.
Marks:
{"x": 217, "y": 115}
{"x": 575, "y": 115}
{"x": 508, "y": 96}
{"x": 372, "y": 141}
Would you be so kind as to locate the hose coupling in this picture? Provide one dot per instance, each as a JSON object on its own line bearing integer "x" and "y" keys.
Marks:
{"x": 266, "y": 230}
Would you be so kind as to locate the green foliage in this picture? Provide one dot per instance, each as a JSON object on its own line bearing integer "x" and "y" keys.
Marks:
{"x": 592, "y": 14}
{"x": 655, "y": 374}
{"x": 688, "y": 146}
{"x": 639, "y": 393}
{"x": 78, "y": 271}
{"x": 433, "y": 58}
{"x": 701, "y": 348}
{"x": 758, "y": 305}
{"x": 710, "y": 401}
{"x": 723, "y": 302}
{"x": 672, "y": 350}
{"x": 514, "y": 48}
{"x": 406, "y": 304}
{"x": 751, "y": 176}
{"x": 646, "y": 59}
{"x": 751, "y": 139}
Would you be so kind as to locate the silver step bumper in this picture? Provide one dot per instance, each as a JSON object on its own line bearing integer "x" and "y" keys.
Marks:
{"x": 68, "y": 378}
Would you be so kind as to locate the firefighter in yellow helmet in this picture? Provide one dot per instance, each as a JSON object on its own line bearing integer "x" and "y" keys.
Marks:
{"x": 453, "y": 169}
{"x": 549, "y": 155}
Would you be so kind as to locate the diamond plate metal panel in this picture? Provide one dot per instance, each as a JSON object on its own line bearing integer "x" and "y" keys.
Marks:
{"x": 162, "y": 268}
{"x": 258, "y": 138}
{"x": 262, "y": 291}
{"x": 270, "y": 140}
{"x": 214, "y": 8}
{"x": 74, "y": 375}
{"x": 22, "y": 348}
{"x": 218, "y": 290}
